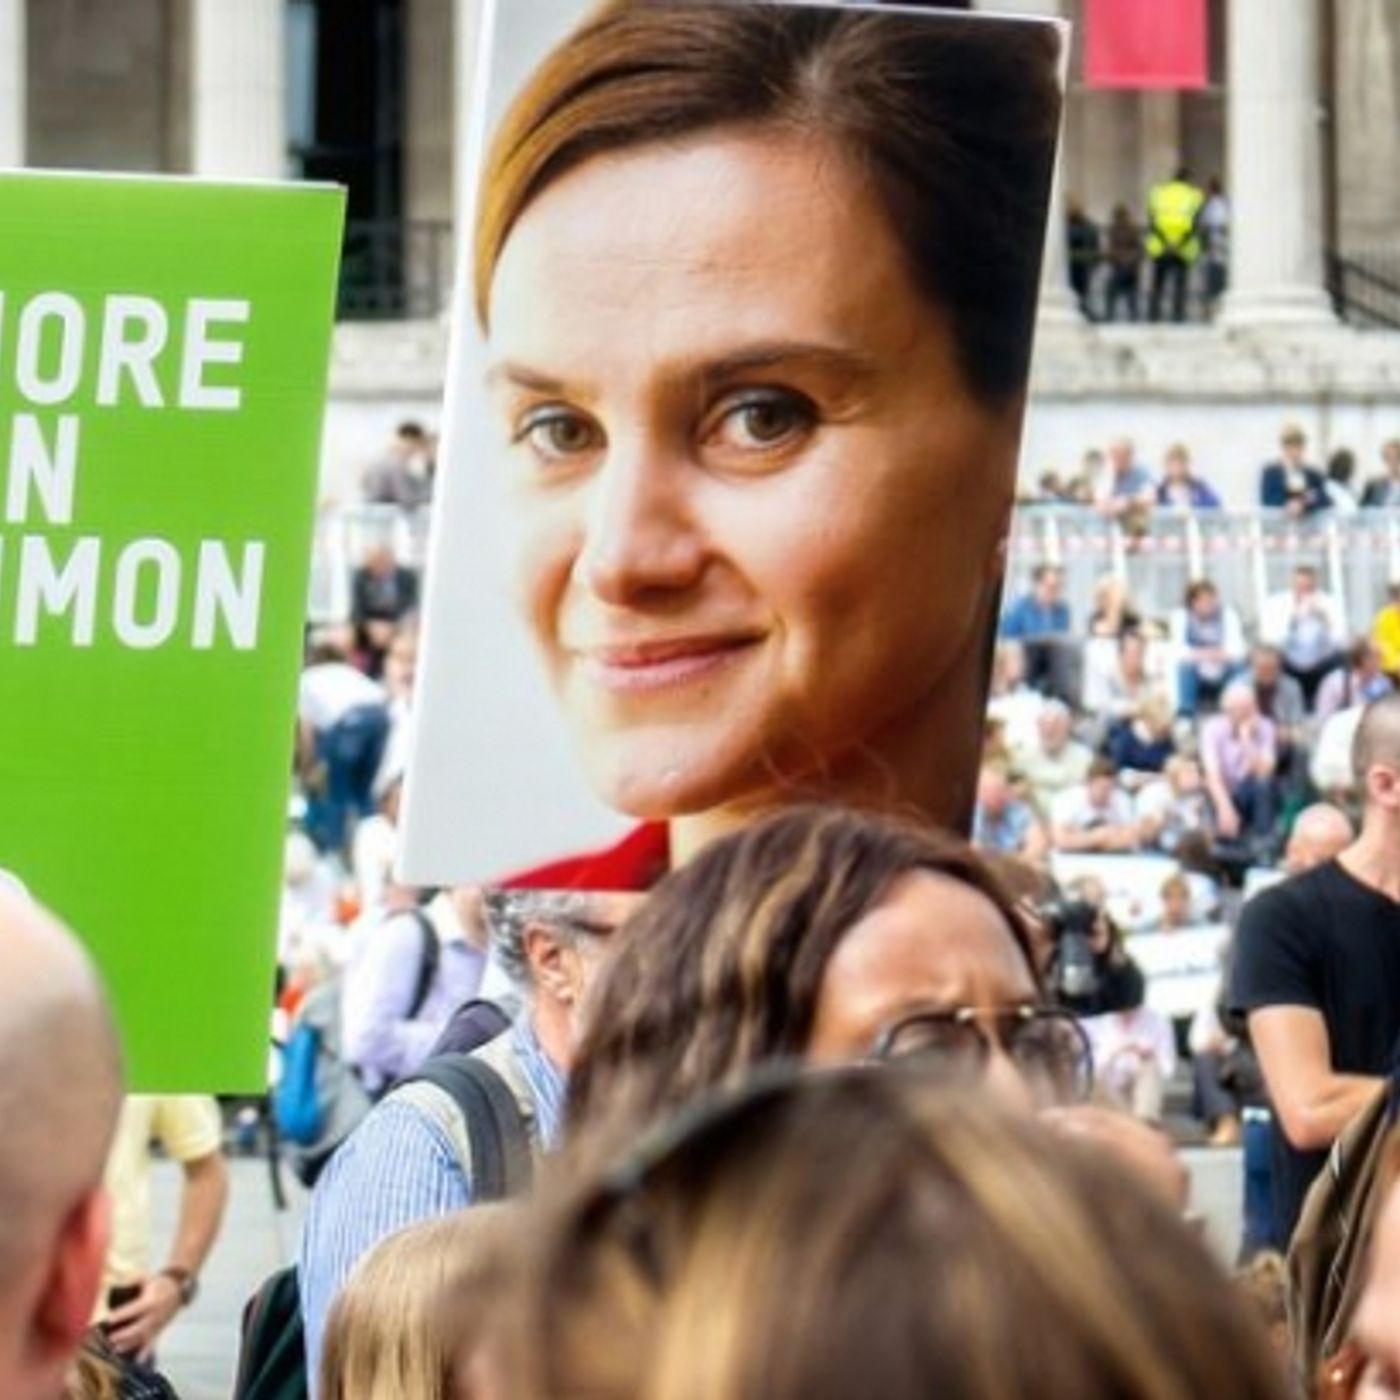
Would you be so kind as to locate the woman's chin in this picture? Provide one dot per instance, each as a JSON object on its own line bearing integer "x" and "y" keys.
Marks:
{"x": 659, "y": 783}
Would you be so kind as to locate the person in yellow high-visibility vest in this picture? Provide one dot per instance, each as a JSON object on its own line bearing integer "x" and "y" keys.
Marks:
{"x": 1173, "y": 242}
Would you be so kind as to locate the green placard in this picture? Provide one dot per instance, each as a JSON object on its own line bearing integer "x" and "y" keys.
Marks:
{"x": 164, "y": 347}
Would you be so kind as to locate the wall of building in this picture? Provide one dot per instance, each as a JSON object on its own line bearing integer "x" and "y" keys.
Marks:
{"x": 1226, "y": 396}
{"x": 428, "y": 155}
{"x": 1368, "y": 123}
{"x": 108, "y": 84}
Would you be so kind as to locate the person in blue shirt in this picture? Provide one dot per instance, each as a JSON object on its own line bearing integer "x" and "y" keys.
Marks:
{"x": 408, "y": 1161}
{"x": 1041, "y": 611}
{"x": 1126, "y": 492}
{"x": 1180, "y": 488}
{"x": 1003, "y": 822}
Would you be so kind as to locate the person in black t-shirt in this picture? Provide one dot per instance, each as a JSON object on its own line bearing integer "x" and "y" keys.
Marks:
{"x": 1317, "y": 972}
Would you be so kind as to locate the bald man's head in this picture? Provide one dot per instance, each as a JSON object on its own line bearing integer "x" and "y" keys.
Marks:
{"x": 1320, "y": 833}
{"x": 60, "y": 1078}
{"x": 1375, "y": 753}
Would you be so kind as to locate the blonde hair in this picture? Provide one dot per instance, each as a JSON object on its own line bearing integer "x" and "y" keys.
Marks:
{"x": 861, "y": 1232}
{"x": 1263, "y": 1282}
{"x": 415, "y": 1308}
{"x": 92, "y": 1377}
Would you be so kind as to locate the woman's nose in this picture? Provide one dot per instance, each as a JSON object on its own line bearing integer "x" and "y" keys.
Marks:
{"x": 641, "y": 535}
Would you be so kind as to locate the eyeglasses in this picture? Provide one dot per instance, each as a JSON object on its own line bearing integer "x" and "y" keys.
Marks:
{"x": 1046, "y": 1044}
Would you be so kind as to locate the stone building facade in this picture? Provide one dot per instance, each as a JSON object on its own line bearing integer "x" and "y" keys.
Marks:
{"x": 1301, "y": 118}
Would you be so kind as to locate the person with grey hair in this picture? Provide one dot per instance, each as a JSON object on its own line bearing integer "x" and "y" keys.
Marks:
{"x": 414, "y": 1156}
{"x": 1239, "y": 756}
{"x": 1057, "y": 761}
{"x": 60, "y": 1091}
{"x": 1317, "y": 973}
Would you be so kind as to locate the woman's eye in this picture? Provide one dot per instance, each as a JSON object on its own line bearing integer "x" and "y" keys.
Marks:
{"x": 555, "y": 433}
{"x": 761, "y": 420}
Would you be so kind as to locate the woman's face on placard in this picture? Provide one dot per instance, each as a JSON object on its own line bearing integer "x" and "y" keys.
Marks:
{"x": 760, "y": 514}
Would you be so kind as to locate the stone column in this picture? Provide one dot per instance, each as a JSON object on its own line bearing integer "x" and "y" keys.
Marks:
{"x": 1273, "y": 135}
{"x": 238, "y": 89}
{"x": 1159, "y": 139}
{"x": 13, "y": 102}
{"x": 1058, "y": 309}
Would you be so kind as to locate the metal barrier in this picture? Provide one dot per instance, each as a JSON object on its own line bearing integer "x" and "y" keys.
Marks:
{"x": 1246, "y": 554}
{"x": 1365, "y": 286}
{"x": 395, "y": 269}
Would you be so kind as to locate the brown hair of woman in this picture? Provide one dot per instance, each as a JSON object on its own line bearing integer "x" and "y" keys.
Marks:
{"x": 954, "y": 123}
{"x": 861, "y": 1233}
{"x": 722, "y": 967}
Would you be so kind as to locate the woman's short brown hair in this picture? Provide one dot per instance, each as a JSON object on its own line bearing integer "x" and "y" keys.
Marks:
{"x": 953, "y": 121}
{"x": 862, "y": 1233}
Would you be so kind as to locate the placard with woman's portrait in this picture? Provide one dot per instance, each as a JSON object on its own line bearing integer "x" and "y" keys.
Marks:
{"x": 735, "y": 401}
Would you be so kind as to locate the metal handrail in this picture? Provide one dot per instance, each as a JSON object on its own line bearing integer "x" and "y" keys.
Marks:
{"x": 1248, "y": 554}
{"x": 395, "y": 269}
{"x": 1363, "y": 292}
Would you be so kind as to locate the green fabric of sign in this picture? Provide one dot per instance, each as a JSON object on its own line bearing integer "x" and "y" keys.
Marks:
{"x": 164, "y": 348}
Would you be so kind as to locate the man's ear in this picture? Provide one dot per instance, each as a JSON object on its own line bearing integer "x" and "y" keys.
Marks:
{"x": 64, "y": 1308}
{"x": 549, "y": 970}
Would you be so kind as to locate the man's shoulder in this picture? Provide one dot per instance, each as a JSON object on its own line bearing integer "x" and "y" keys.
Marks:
{"x": 1297, "y": 897}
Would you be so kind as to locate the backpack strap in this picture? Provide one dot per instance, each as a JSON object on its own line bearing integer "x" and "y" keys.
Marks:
{"x": 429, "y": 957}
{"x": 501, "y": 1163}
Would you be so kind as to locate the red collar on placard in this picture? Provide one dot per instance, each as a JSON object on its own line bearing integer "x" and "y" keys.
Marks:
{"x": 636, "y": 862}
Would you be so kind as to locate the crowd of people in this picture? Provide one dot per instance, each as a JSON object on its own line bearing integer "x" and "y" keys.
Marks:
{"x": 834, "y": 1099}
{"x": 1125, "y": 490}
{"x": 1213, "y": 758}
{"x": 509, "y": 1084}
{"x": 818, "y": 1115}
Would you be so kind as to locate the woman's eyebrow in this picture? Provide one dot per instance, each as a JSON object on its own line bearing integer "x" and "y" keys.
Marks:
{"x": 523, "y": 377}
{"x": 833, "y": 359}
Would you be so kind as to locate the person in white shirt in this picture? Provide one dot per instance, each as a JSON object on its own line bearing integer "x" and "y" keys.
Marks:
{"x": 1096, "y": 817}
{"x": 1330, "y": 766}
{"x": 1134, "y": 1057}
{"x": 343, "y": 728}
{"x": 1308, "y": 627}
{"x": 409, "y": 969}
{"x": 1011, "y": 700}
{"x": 1208, "y": 639}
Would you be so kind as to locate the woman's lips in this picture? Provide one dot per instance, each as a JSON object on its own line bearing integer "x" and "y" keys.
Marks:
{"x": 647, "y": 666}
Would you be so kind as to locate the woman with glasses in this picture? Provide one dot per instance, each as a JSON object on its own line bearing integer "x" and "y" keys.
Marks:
{"x": 831, "y": 936}
{"x": 867, "y": 1234}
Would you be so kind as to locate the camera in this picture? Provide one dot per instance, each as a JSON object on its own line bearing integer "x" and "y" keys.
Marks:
{"x": 1090, "y": 971}
{"x": 1073, "y": 975}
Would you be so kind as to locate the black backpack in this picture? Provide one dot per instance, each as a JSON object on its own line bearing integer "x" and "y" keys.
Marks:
{"x": 272, "y": 1351}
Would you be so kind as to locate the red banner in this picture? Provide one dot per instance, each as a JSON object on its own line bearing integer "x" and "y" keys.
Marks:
{"x": 1145, "y": 43}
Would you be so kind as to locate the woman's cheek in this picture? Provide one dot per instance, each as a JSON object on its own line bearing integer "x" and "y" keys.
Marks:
{"x": 544, "y": 564}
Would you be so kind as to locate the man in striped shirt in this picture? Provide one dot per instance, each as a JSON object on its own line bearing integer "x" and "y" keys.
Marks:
{"x": 405, "y": 1163}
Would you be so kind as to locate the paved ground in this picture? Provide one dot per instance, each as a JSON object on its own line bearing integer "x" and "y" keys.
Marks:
{"x": 200, "y": 1350}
